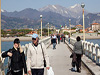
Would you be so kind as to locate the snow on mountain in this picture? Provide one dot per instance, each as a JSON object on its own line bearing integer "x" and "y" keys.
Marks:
{"x": 54, "y": 6}
{"x": 73, "y": 11}
{"x": 76, "y": 5}
{"x": 2, "y": 10}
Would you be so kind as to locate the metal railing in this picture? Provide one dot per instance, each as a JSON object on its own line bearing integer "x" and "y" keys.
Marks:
{"x": 46, "y": 41}
{"x": 91, "y": 50}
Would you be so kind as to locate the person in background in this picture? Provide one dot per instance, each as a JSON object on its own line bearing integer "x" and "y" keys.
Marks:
{"x": 17, "y": 57}
{"x": 51, "y": 38}
{"x": 64, "y": 38}
{"x": 58, "y": 38}
{"x": 69, "y": 38}
{"x": 78, "y": 50}
{"x": 54, "y": 41}
{"x": 35, "y": 57}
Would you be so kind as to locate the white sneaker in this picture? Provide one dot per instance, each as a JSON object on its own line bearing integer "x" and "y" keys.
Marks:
{"x": 73, "y": 68}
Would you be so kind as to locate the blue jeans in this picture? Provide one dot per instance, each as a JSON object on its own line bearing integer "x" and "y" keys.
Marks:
{"x": 69, "y": 40}
{"x": 54, "y": 45}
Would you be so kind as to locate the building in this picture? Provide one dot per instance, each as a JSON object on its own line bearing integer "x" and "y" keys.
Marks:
{"x": 8, "y": 30}
{"x": 68, "y": 30}
{"x": 95, "y": 26}
{"x": 79, "y": 26}
{"x": 52, "y": 27}
{"x": 81, "y": 30}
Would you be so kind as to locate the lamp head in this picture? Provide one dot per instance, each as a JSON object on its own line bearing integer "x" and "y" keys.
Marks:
{"x": 82, "y": 5}
{"x": 69, "y": 19}
{"x": 40, "y": 16}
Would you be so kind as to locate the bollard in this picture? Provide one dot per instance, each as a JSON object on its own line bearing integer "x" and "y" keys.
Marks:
{"x": 97, "y": 55}
{"x": 94, "y": 53}
{"x": 26, "y": 49}
{"x": 85, "y": 47}
{"x": 91, "y": 50}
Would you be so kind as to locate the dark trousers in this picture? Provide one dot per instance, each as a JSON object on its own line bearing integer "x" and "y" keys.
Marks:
{"x": 17, "y": 73}
{"x": 58, "y": 41}
{"x": 37, "y": 71}
{"x": 64, "y": 40}
{"x": 78, "y": 59}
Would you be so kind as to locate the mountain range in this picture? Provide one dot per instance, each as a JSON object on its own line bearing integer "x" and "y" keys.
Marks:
{"x": 54, "y": 14}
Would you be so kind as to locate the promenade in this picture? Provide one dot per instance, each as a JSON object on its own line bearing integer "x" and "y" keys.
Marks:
{"x": 61, "y": 62}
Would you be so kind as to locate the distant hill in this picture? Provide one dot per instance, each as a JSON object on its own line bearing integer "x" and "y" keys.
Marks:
{"x": 54, "y": 14}
{"x": 30, "y": 15}
{"x": 91, "y": 18}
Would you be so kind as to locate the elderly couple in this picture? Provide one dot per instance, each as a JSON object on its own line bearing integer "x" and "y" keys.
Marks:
{"x": 35, "y": 58}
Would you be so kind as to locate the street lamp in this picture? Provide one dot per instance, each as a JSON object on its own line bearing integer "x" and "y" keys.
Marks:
{"x": 70, "y": 26}
{"x": 41, "y": 25}
{"x": 0, "y": 28}
{"x": 83, "y": 5}
{"x": 48, "y": 29}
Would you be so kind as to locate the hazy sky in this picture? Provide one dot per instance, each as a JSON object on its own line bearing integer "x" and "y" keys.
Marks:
{"x": 12, "y": 5}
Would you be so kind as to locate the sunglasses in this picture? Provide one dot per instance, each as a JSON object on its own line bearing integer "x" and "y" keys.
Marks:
{"x": 33, "y": 38}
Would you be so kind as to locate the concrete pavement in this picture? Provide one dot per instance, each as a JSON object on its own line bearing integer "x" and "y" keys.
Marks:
{"x": 61, "y": 62}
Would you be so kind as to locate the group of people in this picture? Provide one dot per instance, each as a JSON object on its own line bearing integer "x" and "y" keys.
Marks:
{"x": 55, "y": 37}
{"x": 36, "y": 55}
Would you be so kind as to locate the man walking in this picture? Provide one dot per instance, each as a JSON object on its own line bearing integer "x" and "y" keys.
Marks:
{"x": 54, "y": 41}
{"x": 58, "y": 38}
{"x": 35, "y": 57}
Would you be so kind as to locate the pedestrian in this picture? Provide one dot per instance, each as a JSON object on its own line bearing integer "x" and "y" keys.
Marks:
{"x": 54, "y": 41}
{"x": 36, "y": 55}
{"x": 69, "y": 38}
{"x": 16, "y": 54}
{"x": 51, "y": 38}
{"x": 64, "y": 38}
{"x": 78, "y": 50}
{"x": 58, "y": 38}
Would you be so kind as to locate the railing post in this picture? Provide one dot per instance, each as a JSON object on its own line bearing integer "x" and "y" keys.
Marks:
{"x": 97, "y": 51}
{"x": 99, "y": 55}
{"x": 94, "y": 53}
{"x": 85, "y": 47}
{"x": 91, "y": 50}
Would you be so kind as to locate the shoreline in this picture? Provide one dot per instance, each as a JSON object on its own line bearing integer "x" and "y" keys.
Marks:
{"x": 9, "y": 39}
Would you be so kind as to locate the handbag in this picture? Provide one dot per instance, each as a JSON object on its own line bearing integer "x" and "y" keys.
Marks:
{"x": 43, "y": 57}
{"x": 50, "y": 71}
{"x": 9, "y": 67}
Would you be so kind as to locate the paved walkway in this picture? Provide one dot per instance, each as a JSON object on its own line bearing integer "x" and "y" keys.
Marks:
{"x": 61, "y": 62}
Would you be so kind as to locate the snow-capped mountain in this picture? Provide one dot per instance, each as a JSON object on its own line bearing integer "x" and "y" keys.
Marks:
{"x": 3, "y": 10}
{"x": 73, "y": 11}
{"x": 57, "y": 9}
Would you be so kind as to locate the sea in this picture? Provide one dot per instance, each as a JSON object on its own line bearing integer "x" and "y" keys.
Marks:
{"x": 8, "y": 45}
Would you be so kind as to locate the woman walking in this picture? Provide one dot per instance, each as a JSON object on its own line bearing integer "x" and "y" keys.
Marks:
{"x": 17, "y": 57}
{"x": 78, "y": 50}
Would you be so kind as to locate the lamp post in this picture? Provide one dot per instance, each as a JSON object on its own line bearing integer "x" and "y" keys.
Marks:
{"x": 41, "y": 25}
{"x": 70, "y": 26}
{"x": 0, "y": 26}
{"x": 48, "y": 29}
{"x": 83, "y": 5}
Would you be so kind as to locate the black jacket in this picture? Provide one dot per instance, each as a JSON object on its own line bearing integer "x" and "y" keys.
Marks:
{"x": 18, "y": 61}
